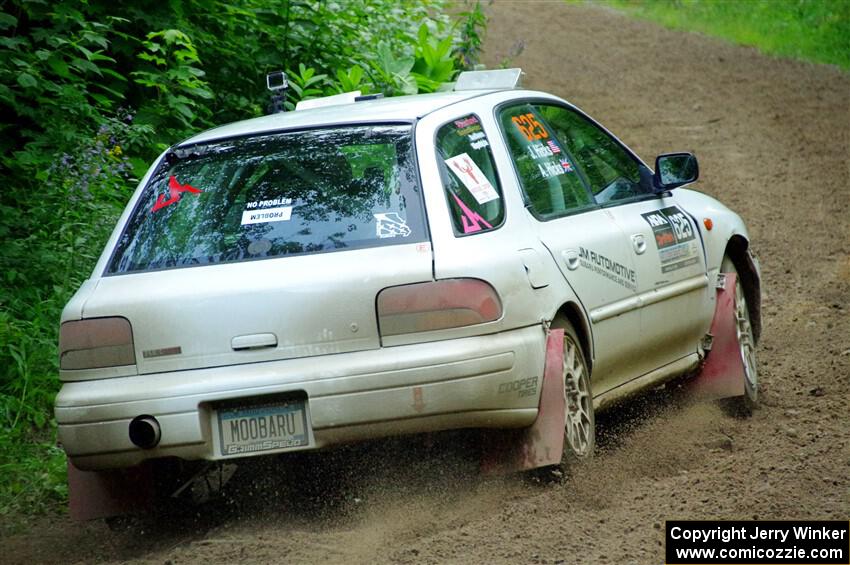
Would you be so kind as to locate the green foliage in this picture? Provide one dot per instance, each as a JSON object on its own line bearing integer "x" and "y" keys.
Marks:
{"x": 32, "y": 476}
{"x": 472, "y": 23}
{"x": 175, "y": 76}
{"x": 435, "y": 64}
{"x": 351, "y": 80}
{"x": 91, "y": 91}
{"x": 50, "y": 242}
{"x": 303, "y": 85}
{"x": 818, "y": 30}
{"x": 391, "y": 73}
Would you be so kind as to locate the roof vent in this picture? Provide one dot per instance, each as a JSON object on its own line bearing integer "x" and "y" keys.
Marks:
{"x": 489, "y": 80}
{"x": 335, "y": 100}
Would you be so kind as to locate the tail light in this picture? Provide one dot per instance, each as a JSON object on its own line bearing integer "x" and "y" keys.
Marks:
{"x": 96, "y": 343}
{"x": 437, "y": 305}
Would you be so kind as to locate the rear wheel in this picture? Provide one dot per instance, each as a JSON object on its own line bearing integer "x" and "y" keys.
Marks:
{"x": 580, "y": 426}
{"x": 746, "y": 341}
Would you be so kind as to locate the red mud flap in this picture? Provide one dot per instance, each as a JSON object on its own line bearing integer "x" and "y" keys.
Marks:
{"x": 100, "y": 494}
{"x": 542, "y": 444}
{"x": 722, "y": 373}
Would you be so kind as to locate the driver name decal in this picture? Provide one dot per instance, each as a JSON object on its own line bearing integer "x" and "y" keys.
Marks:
{"x": 675, "y": 238}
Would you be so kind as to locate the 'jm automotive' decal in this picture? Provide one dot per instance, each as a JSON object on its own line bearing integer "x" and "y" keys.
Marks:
{"x": 608, "y": 268}
{"x": 674, "y": 238}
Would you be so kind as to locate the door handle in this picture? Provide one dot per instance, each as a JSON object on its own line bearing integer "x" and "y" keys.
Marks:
{"x": 253, "y": 341}
{"x": 639, "y": 243}
{"x": 571, "y": 258}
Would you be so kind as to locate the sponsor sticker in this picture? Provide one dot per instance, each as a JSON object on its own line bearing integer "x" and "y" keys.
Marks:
{"x": 478, "y": 140}
{"x": 675, "y": 238}
{"x": 470, "y": 126}
{"x": 390, "y": 224}
{"x": 466, "y": 122}
{"x": 608, "y": 268}
{"x": 472, "y": 221}
{"x": 270, "y": 203}
{"x": 472, "y": 178}
{"x": 282, "y": 214}
{"x": 468, "y": 130}
{"x": 521, "y": 387}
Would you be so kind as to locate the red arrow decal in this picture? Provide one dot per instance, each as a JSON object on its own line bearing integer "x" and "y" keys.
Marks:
{"x": 175, "y": 190}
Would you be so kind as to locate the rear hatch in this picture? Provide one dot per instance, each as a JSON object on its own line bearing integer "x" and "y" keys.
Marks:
{"x": 265, "y": 248}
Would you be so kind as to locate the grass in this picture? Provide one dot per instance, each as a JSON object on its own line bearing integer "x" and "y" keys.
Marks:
{"x": 813, "y": 30}
{"x": 32, "y": 477}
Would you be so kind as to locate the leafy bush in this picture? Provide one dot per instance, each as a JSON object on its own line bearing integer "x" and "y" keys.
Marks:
{"x": 92, "y": 91}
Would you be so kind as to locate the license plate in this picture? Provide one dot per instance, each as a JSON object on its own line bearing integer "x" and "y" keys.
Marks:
{"x": 263, "y": 427}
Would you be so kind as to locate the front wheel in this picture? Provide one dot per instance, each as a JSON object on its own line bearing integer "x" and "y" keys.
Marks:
{"x": 746, "y": 339}
{"x": 580, "y": 426}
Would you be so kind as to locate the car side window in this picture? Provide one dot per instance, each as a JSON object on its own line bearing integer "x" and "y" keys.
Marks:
{"x": 545, "y": 168}
{"x": 469, "y": 176}
{"x": 612, "y": 173}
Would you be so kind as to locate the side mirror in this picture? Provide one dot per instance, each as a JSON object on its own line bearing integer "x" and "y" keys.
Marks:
{"x": 675, "y": 169}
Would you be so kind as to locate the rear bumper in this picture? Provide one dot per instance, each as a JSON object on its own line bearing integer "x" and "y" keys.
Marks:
{"x": 460, "y": 383}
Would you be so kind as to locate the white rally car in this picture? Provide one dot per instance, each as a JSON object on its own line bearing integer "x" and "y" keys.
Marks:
{"x": 488, "y": 257}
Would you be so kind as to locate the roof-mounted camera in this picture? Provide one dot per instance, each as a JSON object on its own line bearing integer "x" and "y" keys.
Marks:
{"x": 276, "y": 83}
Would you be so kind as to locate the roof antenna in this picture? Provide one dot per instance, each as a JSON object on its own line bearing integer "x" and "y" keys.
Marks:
{"x": 277, "y": 84}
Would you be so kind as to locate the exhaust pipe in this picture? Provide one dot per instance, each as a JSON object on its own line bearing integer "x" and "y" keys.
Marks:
{"x": 145, "y": 432}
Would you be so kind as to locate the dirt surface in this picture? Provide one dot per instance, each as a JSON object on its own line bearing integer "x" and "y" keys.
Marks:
{"x": 773, "y": 139}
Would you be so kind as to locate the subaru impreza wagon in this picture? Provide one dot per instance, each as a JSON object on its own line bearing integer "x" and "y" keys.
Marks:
{"x": 366, "y": 268}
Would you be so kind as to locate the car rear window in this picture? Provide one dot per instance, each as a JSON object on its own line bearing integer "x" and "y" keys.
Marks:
{"x": 292, "y": 193}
